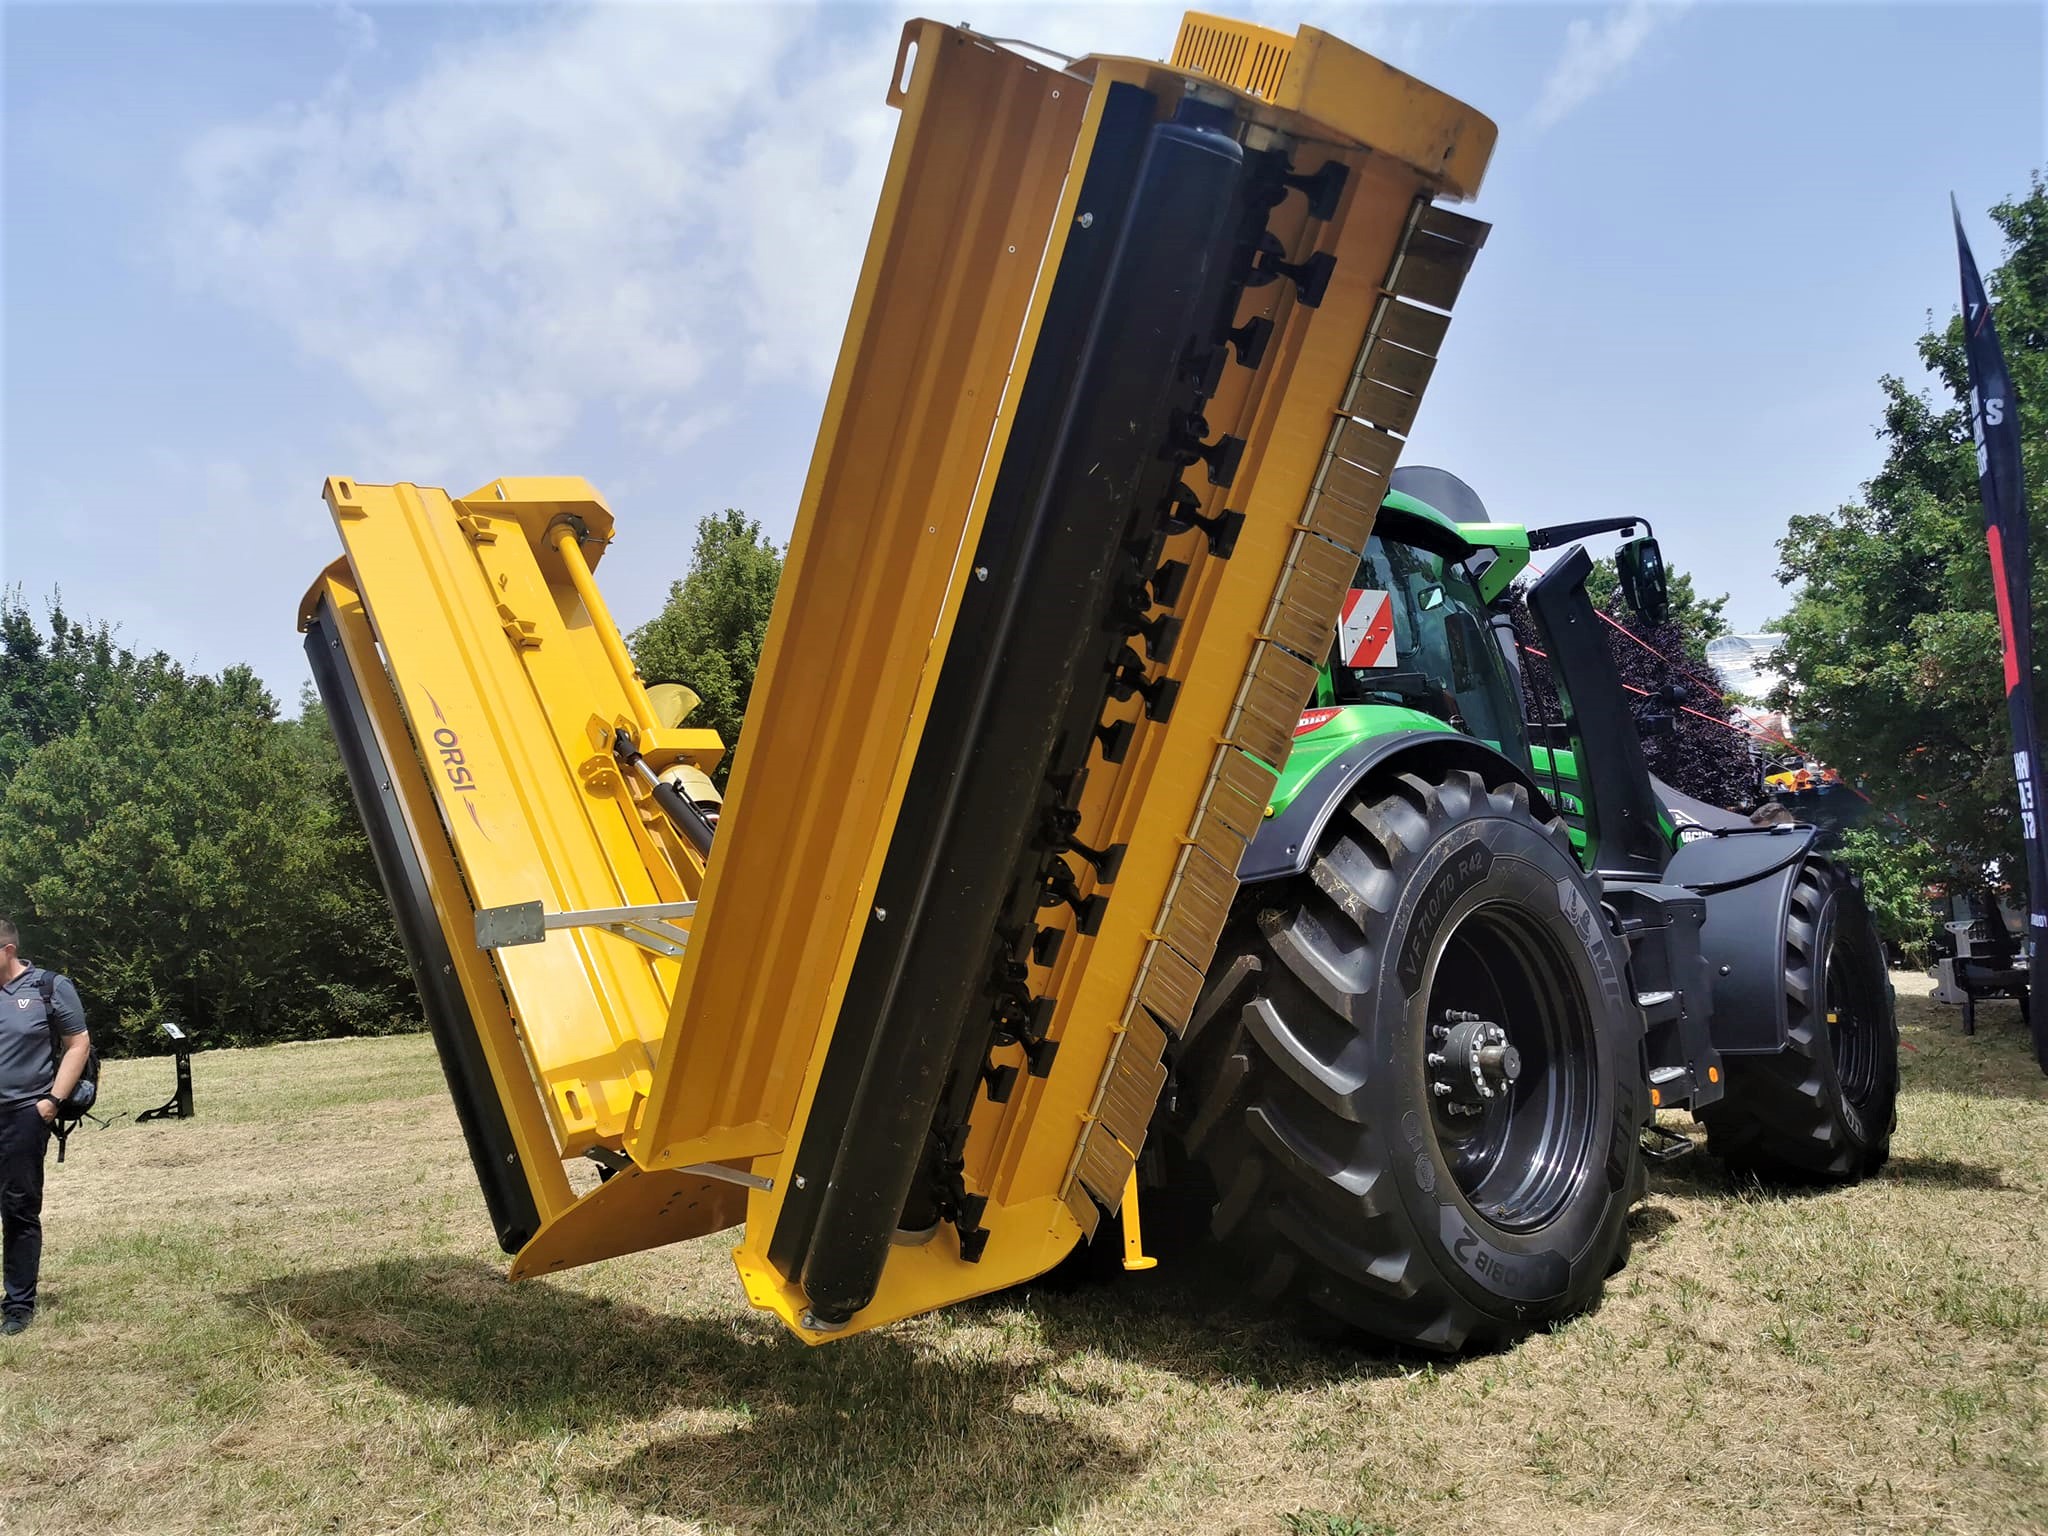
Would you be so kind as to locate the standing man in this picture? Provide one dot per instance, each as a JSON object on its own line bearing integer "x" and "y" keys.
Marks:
{"x": 38, "y": 1008}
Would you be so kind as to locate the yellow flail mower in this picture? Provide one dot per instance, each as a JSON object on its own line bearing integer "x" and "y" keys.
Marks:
{"x": 1127, "y": 372}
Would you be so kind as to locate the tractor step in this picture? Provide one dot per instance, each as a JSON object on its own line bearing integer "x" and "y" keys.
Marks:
{"x": 1665, "y": 1147}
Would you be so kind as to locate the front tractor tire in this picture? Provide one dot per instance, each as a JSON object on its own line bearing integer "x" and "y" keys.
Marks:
{"x": 1821, "y": 1109}
{"x": 1411, "y": 1093}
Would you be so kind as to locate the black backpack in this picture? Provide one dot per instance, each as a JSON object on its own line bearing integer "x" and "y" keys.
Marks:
{"x": 87, "y": 1090}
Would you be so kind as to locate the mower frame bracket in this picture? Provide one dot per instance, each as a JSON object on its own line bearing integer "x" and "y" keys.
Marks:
{"x": 650, "y": 925}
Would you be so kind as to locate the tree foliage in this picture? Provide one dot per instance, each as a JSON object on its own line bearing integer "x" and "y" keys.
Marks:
{"x": 1896, "y": 869}
{"x": 708, "y": 635}
{"x": 1678, "y": 710}
{"x": 50, "y": 683}
{"x": 1697, "y": 619}
{"x": 1892, "y": 644}
{"x": 178, "y": 849}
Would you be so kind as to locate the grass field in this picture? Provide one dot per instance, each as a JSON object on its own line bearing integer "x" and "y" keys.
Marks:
{"x": 287, "y": 1315}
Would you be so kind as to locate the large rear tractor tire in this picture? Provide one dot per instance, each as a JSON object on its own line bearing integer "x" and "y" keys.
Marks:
{"x": 1821, "y": 1110}
{"x": 1411, "y": 1092}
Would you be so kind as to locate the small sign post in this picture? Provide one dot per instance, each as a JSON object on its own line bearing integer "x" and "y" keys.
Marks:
{"x": 179, "y": 1105}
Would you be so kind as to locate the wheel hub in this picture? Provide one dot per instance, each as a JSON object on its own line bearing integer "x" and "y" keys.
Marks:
{"x": 1473, "y": 1064}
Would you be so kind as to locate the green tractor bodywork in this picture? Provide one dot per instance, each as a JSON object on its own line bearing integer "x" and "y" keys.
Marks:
{"x": 1455, "y": 681}
{"x": 1443, "y": 696}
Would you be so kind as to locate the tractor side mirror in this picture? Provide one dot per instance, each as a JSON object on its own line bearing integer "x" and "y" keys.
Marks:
{"x": 1640, "y": 565}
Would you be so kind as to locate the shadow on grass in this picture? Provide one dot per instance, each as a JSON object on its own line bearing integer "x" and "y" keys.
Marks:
{"x": 1647, "y": 1225}
{"x": 1946, "y": 1173}
{"x": 1703, "y": 1176}
{"x": 1195, "y": 1317}
{"x": 872, "y": 1431}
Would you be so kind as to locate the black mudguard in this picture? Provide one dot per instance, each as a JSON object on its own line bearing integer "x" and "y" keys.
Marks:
{"x": 1287, "y": 841}
{"x": 1747, "y": 879}
{"x": 1687, "y": 811}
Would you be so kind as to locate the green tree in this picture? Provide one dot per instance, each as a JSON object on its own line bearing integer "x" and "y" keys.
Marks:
{"x": 1891, "y": 656}
{"x": 180, "y": 850}
{"x": 50, "y": 682}
{"x": 1697, "y": 619}
{"x": 1897, "y": 870}
{"x": 1672, "y": 693}
{"x": 708, "y": 635}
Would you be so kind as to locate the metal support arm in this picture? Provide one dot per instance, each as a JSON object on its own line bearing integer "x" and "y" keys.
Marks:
{"x": 649, "y": 925}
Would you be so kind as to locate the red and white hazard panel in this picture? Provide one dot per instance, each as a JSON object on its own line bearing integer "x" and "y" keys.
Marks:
{"x": 1365, "y": 632}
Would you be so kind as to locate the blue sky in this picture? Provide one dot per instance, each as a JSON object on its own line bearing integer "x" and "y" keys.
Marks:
{"x": 247, "y": 246}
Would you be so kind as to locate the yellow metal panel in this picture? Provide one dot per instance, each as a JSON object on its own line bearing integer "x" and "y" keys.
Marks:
{"x": 501, "y": 675}
{"x": 1411, "y": 326}
{"x": 1384, "y": 406}
{"x": 1341, "y": 92}
{"x": 1105, "y": 1166}
{"x": 1274, "y": 689}
{"x": 1218, "y": 839}
{"x": 633, "y": 1209}
{"x": 1198, "y": 904}
{"x": 1086, "y": 1213}
{"x": 1239, "y": 793}
{"x": 868, "y": 591}
{"x": 1150, "y": 802}
{"x": 1395, "y": 367}
{"x": 1370, "y": 448}
{"x": 1232, "y": 807}
{"x": 1132, "y": 1087}
{"x": 524, "y": 1111}
{"x": 1240, "y": 53}
{"x": 1344, "y": 503}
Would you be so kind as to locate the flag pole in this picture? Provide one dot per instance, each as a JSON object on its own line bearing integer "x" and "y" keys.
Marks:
{"x": 1995, "y": 428}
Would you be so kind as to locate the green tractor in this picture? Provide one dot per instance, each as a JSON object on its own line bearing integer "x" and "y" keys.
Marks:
{"x": 1464, "y": 974}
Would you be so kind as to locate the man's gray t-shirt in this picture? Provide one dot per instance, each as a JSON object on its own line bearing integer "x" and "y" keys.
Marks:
{"x": 28, "y": 1057}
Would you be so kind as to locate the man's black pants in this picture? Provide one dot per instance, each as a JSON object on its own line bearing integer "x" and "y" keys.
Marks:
{"x": 24, "y": 1142}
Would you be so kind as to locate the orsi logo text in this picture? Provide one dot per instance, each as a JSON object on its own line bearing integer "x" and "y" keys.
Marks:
{"x": 452, "y": 764}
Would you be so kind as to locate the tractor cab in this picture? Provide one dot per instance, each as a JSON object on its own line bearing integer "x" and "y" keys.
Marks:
{"x": 1418, "y": 633}
{"x": 1425, "y": 644}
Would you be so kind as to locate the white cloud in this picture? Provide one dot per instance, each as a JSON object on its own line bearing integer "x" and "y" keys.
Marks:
{"x": 627, "y": 212}
{"x": 630, "y": 208}
{"x": 1595, "y": 55}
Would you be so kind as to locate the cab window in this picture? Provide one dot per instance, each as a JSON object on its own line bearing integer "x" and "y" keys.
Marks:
{"x": 1444, "y": 660}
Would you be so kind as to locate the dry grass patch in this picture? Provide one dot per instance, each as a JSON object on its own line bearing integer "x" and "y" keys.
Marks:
{"x": 287, "y": 1316}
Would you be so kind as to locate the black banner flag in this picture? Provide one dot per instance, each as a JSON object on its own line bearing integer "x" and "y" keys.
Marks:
{"x": 1994, "y": 423}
